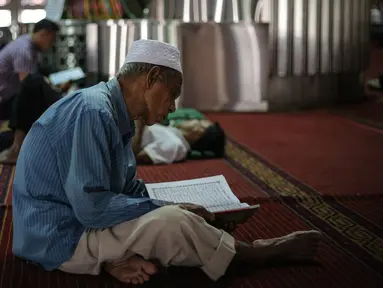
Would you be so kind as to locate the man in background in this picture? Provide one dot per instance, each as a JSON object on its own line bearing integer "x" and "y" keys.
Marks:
{"x": 18, "y": 59}
{"x": 35, "y": 96}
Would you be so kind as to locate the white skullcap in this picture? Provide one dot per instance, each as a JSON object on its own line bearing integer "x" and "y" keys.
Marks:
{"x": 154, "y": 52}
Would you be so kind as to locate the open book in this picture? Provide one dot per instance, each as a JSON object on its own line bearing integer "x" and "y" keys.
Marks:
{"x": 213, "y": 193}
{"x": 65, "y": 76}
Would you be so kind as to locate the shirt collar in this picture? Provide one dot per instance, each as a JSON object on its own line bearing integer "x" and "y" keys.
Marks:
{"x": 125, "y": 124}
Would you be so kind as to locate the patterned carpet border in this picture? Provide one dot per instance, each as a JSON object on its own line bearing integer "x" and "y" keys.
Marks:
{"x": 350, "y": 231}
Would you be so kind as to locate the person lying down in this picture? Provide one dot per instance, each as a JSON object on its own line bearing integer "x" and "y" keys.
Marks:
{"x": 186, "y": 133}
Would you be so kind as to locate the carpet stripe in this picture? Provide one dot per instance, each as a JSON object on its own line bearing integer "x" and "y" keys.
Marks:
{"x": 370, "y": 208}
{"x": 8, "y": 247}
{"x": 6, "y": 177}
{"x": 4, "y": 218}
{"x": 8, "y": 193}
{"x": 364, "y": 244}
{"x": 5, "y": 243}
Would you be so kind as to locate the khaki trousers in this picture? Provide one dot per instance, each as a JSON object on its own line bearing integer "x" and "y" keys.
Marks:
{"x": 170, "y": 234}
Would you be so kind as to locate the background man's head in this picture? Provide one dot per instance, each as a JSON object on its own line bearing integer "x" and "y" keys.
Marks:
{"x": 152, "y": 76}
{"x": 204, "y": 136}
{"x": 44, "y": 34}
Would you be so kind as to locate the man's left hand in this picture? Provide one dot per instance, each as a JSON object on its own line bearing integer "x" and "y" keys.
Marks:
{"x": 228, "y": 226}
{"x": 65, "y": 87}
{"x": 210, "y": 218}
{"x": 200, "y": 211}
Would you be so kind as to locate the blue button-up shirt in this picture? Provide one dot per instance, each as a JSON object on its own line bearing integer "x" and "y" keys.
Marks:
{"x": 76, "y": 170}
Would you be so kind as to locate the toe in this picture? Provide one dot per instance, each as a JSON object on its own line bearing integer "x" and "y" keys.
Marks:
{"x": 141, "y": 279}
{"x": 145, "y": 276}
{"x": 150, "y": 268}
{"x": 135, "y": 281}
{"x": 125, "y": 278}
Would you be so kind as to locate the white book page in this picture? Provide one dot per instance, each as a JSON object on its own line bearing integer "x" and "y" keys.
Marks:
{"x": 207, "y": 192}
{"x": 62, "y": 77}
{"x": 214, "y": 209}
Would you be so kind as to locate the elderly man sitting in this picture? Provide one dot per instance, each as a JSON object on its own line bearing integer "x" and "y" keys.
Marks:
{"x": 78, "y": 207}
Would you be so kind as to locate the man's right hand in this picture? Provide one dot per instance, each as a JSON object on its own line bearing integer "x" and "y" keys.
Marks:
{"x": 209, "y": 217}
{"x": 65, "y": 86}
{"x": 200, "y": 211}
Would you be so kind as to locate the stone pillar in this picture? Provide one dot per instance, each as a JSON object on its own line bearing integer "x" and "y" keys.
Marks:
{"x": 320, "y": 49}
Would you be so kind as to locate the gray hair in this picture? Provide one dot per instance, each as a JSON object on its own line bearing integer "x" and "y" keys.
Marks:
{"x": 136, "y": 69}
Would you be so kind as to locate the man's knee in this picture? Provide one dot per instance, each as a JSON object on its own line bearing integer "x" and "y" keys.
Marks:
{"x": 171, "y": 214}
{"x": 170, "y": 218}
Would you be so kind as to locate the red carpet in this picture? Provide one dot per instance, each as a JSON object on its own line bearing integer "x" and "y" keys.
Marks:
{"x": 368, "y": 208}
{"x": 334, "y": 155}
{"x": 6, "y": 180}
{"x": 370, "y": 114}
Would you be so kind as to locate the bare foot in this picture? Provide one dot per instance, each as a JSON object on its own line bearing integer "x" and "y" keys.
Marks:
{"x": 135, "y": 270}
{"x": 8, "y": 156}
{"x": 301, "y": 245}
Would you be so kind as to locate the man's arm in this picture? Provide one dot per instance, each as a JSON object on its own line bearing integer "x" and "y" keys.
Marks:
{"x": 22, "y": 76}
{"x": 87, "y": 183}
{"x": 24, "y": 63}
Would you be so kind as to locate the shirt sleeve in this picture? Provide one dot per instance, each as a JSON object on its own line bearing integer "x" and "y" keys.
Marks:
{"x": 24, "y": 61}
{"x": 87, "y": 184}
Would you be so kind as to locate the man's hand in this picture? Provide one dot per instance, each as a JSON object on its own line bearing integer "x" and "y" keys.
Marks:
{"x": 65, "y": 86}
{"x": 210, "y": 218}
{"x": 200, "y": 211}
{"x": 227, "y": 226}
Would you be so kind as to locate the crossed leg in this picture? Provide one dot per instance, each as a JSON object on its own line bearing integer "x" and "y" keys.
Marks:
{"x": 301, "y": 245}
{"x": 177, "y": 237}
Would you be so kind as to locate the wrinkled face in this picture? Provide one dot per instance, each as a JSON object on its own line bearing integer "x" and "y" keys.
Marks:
{"x": 47, "y": 38}
{"x": 160, "y": 97}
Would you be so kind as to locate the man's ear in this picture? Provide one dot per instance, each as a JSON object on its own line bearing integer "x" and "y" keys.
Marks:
{"x": 152, "y": 76}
